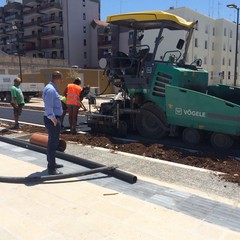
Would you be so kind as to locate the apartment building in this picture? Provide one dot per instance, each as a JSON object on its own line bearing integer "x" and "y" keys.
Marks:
{"x": 56, "y": 29}
{"x": 11, "y": 36}
{"x": 214, "y": 42}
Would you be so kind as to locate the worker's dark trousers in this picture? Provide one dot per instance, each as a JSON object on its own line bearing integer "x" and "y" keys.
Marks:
{"x": 53, "y": 140}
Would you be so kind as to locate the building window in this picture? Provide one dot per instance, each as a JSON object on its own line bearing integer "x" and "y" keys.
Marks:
{"x": 225, "y": 32}
{"x": 130, "y": 35}
{"x": 6, "y": 80}
{"x": 62, "y": 55}
{"x": 85, "y": 42}
{"x": 213, "y": 31}
{"x": 84, "y": 29}
{"x": 54, "y": 54}
{"x": 230, "y": 33}
{"x": 53, "y": 29}
{"x": 230, "y": 48}
{"x": 197, "y": 27}
{"x": 54, "y": 43}
{"x": 84, "y": 2}
{"x": 212, "y": 61}
{"x": 196, "y": 42}
{"x": 205, "y": 61}
{"x": 52, "y": 16}
{"x": 224, "y": 47}
{"x": 46, "y": 55}
{"x": 85, "y": 55}
{"x": 84, "y": 16}
{"x": 223, "y": 61}
{"x": 213, "y": 46}
{"x": 206, "y": 29}
{"x": 212, "y": 75}
{"x": 206, "y": 45}
{"x": 229, "y": 62}
{"x": 229, "y": 75}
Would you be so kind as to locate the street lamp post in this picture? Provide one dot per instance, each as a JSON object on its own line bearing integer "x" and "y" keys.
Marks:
{"x": 236, "y": 52}
{"x": 18, "y": 50}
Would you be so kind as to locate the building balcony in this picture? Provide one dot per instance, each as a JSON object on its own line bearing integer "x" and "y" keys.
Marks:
{"x": 104, "y": 43}
{"x": 51, "y": 34}
{"x": 13, "y": 30}
{"x": 11, "y": 49}
{"x": 50, "y": 7}
{"x": 51, "y": 21}
{"x": 13, "y": 18}
{"x": 15, "y": 41}
{"x": 57, "y": 46}
{"x": 53, "y": 55}
{"x": 46, "y": 50}
{"x": 32, "y": 49}
{"x": 13, "y": 7}
{"x": 31, "y": 3}
{"x": 2, "y": 32}
{"x": 32, "y": 12}
{"x": 33, "y": 36}
{"x": 130, "y": 42}
{"x": 105, "y": 31}
{"x": 2, "y": 22}
{"x": 3, "y": 42}
{"x": 15, "y": 51}
{"x": 33, "y": 24}
{"x": 1, "y": 12}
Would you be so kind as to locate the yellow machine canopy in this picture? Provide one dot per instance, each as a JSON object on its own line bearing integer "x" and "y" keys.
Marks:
{"x": 150, "y": 20}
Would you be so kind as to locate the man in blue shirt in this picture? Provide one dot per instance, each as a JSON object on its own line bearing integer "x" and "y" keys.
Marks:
{"x": 52, "y": 120}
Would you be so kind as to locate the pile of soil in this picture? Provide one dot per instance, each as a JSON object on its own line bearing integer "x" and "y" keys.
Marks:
{"x": 208, "y": 160}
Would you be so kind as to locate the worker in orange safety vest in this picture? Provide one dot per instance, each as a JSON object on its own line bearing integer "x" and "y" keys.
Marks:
{"x": 73, "y": 101}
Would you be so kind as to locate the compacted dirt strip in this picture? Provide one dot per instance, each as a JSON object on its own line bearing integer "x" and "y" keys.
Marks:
{"x": 208, "y": 160}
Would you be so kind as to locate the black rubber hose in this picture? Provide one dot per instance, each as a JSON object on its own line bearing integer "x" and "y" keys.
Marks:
{"x": 53, "y": 177}
{"x": 127, "y": 177}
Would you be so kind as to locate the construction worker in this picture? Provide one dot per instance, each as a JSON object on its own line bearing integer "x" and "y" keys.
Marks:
{"x": 64, "y": 107}
{"x": 17, "y": 101}
{"x": 72, "y": 93}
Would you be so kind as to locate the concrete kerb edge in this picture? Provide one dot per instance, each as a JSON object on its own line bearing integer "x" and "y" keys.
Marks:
{"x": 153, "y": 159}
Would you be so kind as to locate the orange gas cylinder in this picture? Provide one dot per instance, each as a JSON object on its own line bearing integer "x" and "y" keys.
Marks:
{"x": 41, "y": 139}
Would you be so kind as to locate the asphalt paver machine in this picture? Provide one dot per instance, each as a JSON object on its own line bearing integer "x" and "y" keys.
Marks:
{"x": 161, "y": 93}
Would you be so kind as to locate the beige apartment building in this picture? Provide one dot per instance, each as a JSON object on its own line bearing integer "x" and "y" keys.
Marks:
{"x": 214, "y": 42}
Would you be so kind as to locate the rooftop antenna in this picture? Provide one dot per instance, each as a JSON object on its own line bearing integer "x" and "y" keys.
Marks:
{"x": 209, "y": 7}
{"x": 219, "y": 6}
{"x": 213, "y": 8}
{"x": 120, "y": 6}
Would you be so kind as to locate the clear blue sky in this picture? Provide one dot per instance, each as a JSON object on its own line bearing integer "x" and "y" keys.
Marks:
{"x": 212, "y": 8}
